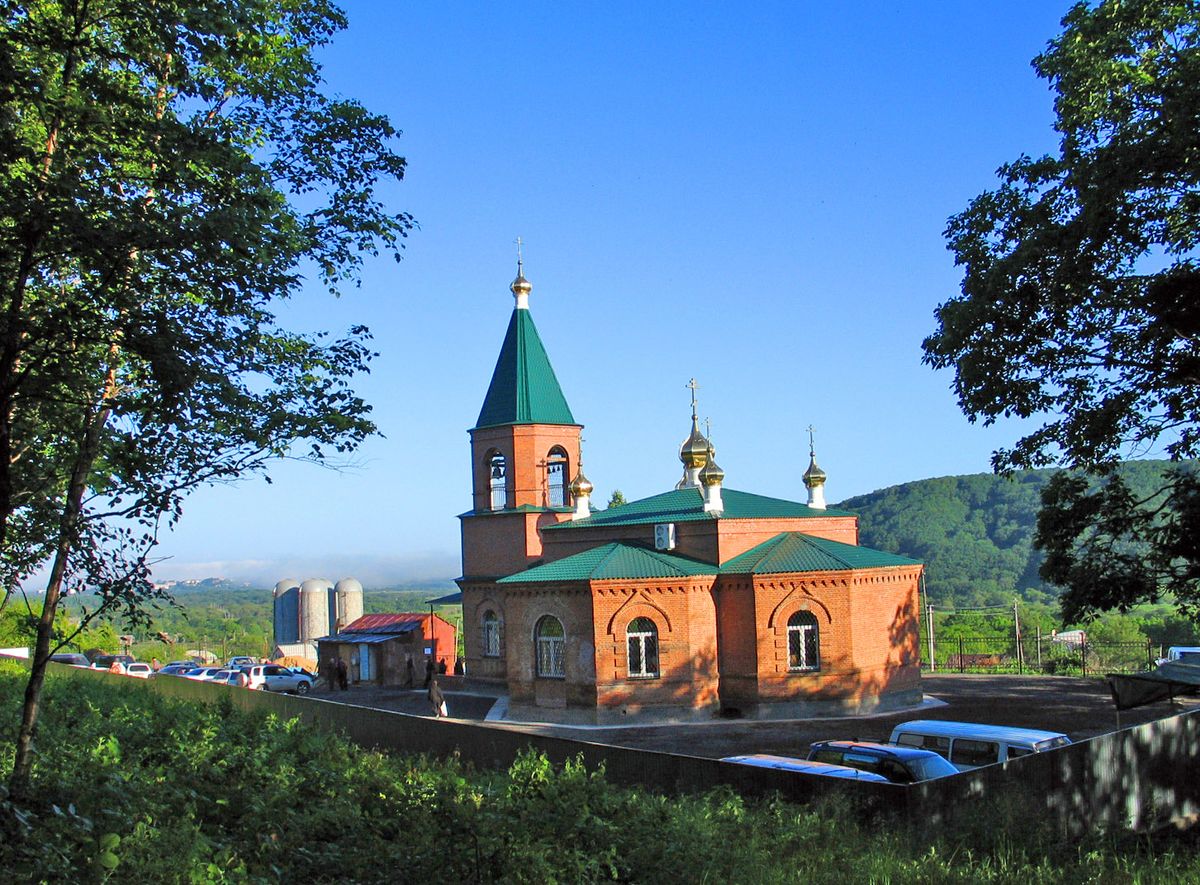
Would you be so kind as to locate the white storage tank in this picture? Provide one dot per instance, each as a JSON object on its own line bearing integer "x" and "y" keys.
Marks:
{"x": 314, "y": 609}
{"x": 349, "y": 601}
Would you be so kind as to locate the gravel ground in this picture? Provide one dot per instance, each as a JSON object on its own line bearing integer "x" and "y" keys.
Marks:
{"x": 1080, "y": 708}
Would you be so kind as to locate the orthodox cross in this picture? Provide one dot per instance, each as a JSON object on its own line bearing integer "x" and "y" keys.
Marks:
{"x": 519, "y": 262}
{"x": 693, "y": 386}
{"x": 812, "y": 452}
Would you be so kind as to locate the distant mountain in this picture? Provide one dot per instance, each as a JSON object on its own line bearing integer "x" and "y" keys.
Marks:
{"x": 974, "y": 533}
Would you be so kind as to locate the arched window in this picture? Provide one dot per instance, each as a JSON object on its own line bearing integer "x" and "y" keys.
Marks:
{"x": 497, "y": 473}
{"x": 491, "y": 635}
{"x": 550, "y": 653}
{"x": 803, "y": 649}
{"x": 556, "y": 470}
{"x": 642, "y": 638}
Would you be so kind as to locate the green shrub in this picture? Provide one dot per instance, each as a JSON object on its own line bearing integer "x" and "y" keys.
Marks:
{"x": 133, "y": 787}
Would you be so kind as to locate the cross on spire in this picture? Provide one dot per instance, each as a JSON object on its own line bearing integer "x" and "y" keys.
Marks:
{"x": 812, "y": 452}
{"x": 519, "y": 260}
{"x": 693, "y": 386}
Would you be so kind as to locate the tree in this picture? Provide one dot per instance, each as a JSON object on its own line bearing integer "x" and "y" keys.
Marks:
{"x": 173, "y": 170}
{"x": 617, "y": 499}
{"x": 1080, "y": 305}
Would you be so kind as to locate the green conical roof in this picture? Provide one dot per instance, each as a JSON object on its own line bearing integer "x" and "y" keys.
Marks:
{"x": 524, "y": 389}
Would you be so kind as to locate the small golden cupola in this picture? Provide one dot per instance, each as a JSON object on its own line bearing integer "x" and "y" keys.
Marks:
{"x": 694, "y": 451}
{"x": 814, "y": 477}
{"x": 581, "y": 493}
{"x": 711, "y": 477}
{"x": 521, "y": 287}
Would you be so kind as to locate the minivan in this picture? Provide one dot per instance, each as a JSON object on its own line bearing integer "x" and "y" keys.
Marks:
{"x": 970, "y": 745}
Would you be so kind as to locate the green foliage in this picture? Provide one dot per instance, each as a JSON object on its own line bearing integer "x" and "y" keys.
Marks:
{"x": 1080, "y": 304}
{"x": 616, "y": 499}
{"x": 151, "y": 790}
{"x": 974, "y": 533}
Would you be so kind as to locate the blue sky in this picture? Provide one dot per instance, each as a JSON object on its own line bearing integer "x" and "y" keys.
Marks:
{"x": 754, "y": 198}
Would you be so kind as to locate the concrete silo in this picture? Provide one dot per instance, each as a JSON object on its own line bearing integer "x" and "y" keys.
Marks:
{"x": 287, "y": 612}
{"x": 349, "y": 594}
{"x": 315, "y": 595}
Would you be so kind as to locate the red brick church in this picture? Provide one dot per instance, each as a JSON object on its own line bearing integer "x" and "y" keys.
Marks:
{"x": 698, "y": 600}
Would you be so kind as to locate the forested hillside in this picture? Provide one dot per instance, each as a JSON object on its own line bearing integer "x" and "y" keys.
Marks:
{"x": 974, "y": 533}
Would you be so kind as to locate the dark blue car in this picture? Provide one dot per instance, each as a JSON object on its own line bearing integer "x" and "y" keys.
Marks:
{"x": 900, "y": 765}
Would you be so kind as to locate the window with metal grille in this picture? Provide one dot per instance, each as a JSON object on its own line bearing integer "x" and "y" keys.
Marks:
{"x": 491, "y": 635}
{"x": 642, "y": 639}
{"x": 550, "y": 642}
{"x": 803, "y": 651}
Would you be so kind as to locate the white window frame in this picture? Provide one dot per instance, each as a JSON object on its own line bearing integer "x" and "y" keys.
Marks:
{"x": 636, "y": 639}
{"x": 808, "y": 637}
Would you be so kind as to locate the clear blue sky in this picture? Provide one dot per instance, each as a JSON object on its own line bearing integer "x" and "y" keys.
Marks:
{"x": 751, "y": 196}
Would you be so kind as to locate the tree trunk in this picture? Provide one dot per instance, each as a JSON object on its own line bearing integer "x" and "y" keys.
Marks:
{"x": 91, "y": 432}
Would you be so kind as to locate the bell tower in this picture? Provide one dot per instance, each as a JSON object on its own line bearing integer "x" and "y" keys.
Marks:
{"x": 524, "y": 453}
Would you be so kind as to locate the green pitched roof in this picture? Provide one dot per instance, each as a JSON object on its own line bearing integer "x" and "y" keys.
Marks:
{"x": 524, "y": 389}
{"x": 796, "y": 552}
{"x": 687, "y": 505}
{"x": 613, "y": 561}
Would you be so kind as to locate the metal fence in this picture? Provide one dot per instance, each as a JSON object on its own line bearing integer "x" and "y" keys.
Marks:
{"x": 1037, "y": 654}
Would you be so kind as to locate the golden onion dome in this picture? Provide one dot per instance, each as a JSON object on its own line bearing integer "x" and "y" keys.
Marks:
{"x": 711, "y": 475}
{"x": 814, "y": 475}
{"x": 694, "y": 451}
{"x": 521, "y": 286}
{"x": 581, "y": 485}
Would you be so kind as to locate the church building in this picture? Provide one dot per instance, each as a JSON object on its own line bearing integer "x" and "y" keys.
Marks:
{"x": 688, "y": 604}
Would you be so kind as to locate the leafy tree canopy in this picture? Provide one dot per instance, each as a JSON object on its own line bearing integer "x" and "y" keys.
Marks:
{"x": 1080, "y": 304}
{"x": 172, "y": 169}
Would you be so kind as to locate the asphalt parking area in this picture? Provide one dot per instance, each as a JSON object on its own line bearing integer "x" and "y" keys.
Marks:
{"x": 1080, "y": 708}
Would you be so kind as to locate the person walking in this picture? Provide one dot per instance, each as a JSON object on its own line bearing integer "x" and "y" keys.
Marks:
{"x": 342, "y": 673}
{"x": 437, "y": 700}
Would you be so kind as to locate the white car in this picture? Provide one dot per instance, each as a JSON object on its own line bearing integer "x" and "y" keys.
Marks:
{"x": 139, "y": 669}
{"x": 204, "y": 674}
{"x": 273, "y": 677}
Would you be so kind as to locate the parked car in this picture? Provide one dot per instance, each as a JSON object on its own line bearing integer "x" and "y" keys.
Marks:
{"x": 75, "y": 660}
{"x": 968, "y": 745}
{"x": 804, "y": 766}
{"x": 203, "y": 674}
{"x": 139, "y": 669}
{"x": 105, "y": 662}
{"x": 240, "y": 661}
{"x": 227, "y": 677}
{"x": 273, "y": 677}
{"x": 1188, "y": 654}
{"x": 175, "y": 669}
{"x": 900, "y": 765}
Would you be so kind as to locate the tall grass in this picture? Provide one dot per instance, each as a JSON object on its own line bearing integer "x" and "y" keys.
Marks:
{"x": 133, "y": 787}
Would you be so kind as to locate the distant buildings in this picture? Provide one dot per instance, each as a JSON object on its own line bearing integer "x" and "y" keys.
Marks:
{"x": 306, "y": 611}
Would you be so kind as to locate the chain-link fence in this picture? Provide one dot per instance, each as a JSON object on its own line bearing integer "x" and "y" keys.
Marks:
{"x": 1038, "y": 654}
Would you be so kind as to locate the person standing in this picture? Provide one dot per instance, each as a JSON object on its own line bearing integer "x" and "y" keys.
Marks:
{"x": 331, "y": 669}
{"x": 437, "y": 700}
{"x": 342, "y": 673}
{"x": 410, "y": 678}
{"x": 428, "y": 671}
